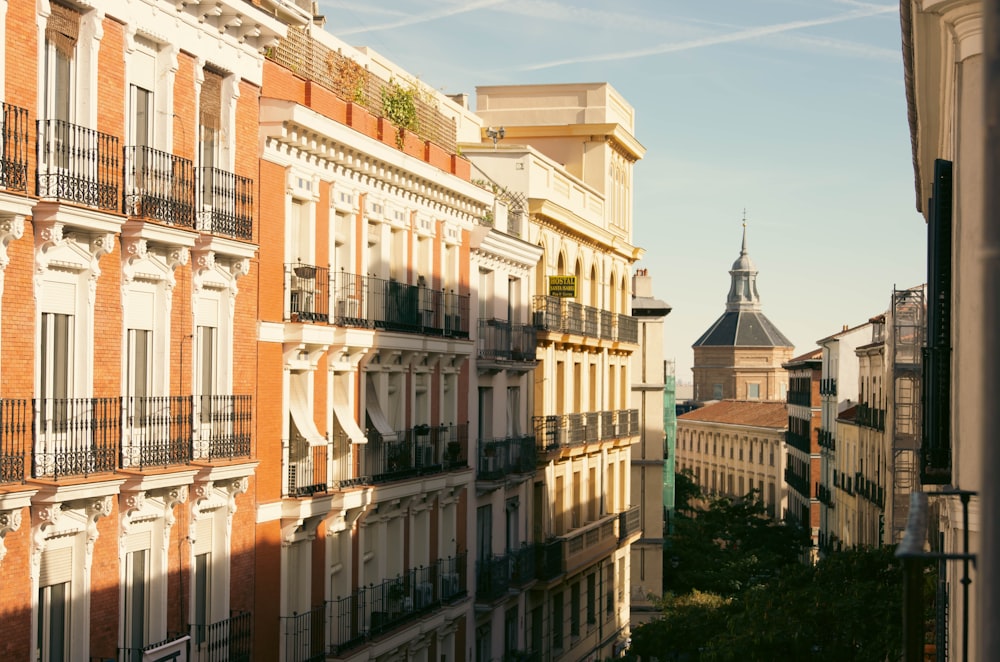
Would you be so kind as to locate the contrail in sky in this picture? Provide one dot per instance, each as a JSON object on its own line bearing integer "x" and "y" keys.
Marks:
{"x": 701, "y": 42}
{"x": 422, "y": 18}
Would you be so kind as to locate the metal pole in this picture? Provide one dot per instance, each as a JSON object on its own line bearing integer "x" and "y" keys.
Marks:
{"x": 989, "y": 592}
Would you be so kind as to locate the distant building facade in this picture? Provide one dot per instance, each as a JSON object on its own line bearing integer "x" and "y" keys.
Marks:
{"x": 735, "y": 446}
{"x": 806, "y": 493}
{"x": 649, "y": 455}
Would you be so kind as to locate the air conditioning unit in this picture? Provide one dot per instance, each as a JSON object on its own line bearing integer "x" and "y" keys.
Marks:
{"x": 449, "y": 584}
{"x": 348, "y": 309}
{"x": 424, "y": 594}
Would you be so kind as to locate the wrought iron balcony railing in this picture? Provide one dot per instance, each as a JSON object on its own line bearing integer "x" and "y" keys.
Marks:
{"x": 798, "y": 483}
{"x": 159, "y": 186}
{"x": 499, "y": 458}
{"x": 422, "y": 449}
{"x": 564, "y": 316}
{"x": 501, "y": 341}
{"x": 225, "y": 203}
{"x": 75, "y": 436}
{"x": 559, "y": 431}
{"x": 871, "y": 417}
{"x": 77, "y": 164}
{"x": 230, "y": 640}
{"x": 549, "y": 559}
{"x": 314, "y": 469}
{"x": 373, "y": 610}
{"x": 156, "y": 432}
{"x": 371, "y": 302}
{"x": 15, "y": 435}
{"x": 14, "y": 158}
{"x": 798, "y": 441}
{"x": 802, "y": 398}
{"x": 828, "y": 386}
{"x": 629, "y": 522}
{"x": 308, "y": 289}
{"x": 222, "y": 427}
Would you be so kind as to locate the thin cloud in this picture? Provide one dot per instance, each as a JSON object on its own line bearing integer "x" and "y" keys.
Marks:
{"x": 422, "y": 18}
{"x": 702, "y": 42}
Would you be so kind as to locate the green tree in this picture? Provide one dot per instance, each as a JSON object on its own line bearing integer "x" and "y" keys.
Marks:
{"x": 729, "y": 546}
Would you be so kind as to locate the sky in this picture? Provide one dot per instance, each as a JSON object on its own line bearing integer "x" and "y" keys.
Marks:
{"x": 791, "y": 112}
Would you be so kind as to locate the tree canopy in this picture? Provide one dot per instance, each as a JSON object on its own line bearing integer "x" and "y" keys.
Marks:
{"x": 738, "y": 591}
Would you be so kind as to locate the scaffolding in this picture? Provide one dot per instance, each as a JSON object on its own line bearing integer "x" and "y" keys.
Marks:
{"x": 907, "y": 347}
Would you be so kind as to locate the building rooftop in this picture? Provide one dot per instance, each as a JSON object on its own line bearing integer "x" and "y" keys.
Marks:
{"x": 743, "y": 324}
{"x": 741, "y": 412}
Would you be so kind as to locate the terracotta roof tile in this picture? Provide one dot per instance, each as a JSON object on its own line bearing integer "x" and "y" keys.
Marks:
{"x": 741, "y": 412}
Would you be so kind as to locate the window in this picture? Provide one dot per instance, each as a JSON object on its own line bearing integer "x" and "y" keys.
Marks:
{"x": 513, "y": 411}
{"x": 484, "y": 649}
{"x": 53, "y": 636}
{"x": 207, "y": 338}
{"x": 557, "y": 621}
{"x": 53, "y": 622}
{"x": 753, "y": 391}
{"x": 56, "y": 369}
{"x": 484, "y": 532}
{"x": 202, "y": 595}
{"x": 136, "y": 605}
{"x": 513, "y": 523}
{"x": 716, "y": 391}
{"x": 510, "y": 630}
{"x": 139, "y": 379}
{"x": 574, "y": 609}
{"x": 591, "y": 599}
{"x": 485, "y": 413}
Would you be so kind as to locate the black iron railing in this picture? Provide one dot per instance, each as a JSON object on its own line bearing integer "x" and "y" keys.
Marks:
{"x": 828, "y": 386}
{"x": 559, "y": 431}
{"x": 136, "y": 653}
{"x": 492, "y": 577}
{"x": 870, "y": 417}
{"x": 225, "y": 203}
{"x": 557, "y": 314}
{"x": 307, "y": 467}
{"x": 798, "y": 483}
{"x": 304, "y": 635}
{"x": 373, "y": 610}
{"x": 230, "y": 640}
{"x": 78, "y": 165}
{"x": 422, "y": 449}
{"x": 499, "y": 340}
{"x": 799, "y": 441}
{"x": 75, "y": 436}
{"x": 628, "y": 329}
{"x": 803, "y": 398}
{"x": 371, "y": 302}
{"x": 15, "y": 431}
{"x": 159, "y": 186}
{"x": 222, "y": 426}
{"x": 308, "y": 292}
{"x": 501, "y": 457}
{"x": 157, "y": 432}
{"x": 14, "y": 158}
{"x": 549, "y": 559}
{"x": 629, "y": 522}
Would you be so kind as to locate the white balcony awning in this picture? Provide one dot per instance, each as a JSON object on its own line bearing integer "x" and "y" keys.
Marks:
{"x": 376, "y": 414}
{"x": 343, "y": 411}
{"x": 301, "y": 409}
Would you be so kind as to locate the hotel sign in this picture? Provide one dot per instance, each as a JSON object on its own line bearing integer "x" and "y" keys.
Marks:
{"x": 562, "y": 286}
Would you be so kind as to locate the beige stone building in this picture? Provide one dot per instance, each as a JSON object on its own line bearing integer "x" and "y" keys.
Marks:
{"x": 944, "y": 65}
{"x": 802, "y": 473}
{"x": 734, "y": 446}
{"x": 568, "y": 151}
{"x": 648, "y": 385}
{"x": 740, "y": 355}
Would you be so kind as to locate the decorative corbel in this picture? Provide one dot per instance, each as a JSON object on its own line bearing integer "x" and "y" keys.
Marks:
{"x": 10, "y": 520}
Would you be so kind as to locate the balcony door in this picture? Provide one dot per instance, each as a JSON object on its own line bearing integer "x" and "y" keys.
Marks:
{"x": 59, "y": 89}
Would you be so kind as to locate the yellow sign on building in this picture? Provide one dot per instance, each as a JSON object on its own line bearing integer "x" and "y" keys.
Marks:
{"x": 562, "y": 286}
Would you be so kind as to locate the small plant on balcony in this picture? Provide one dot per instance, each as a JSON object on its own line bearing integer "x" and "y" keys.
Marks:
{"x": 350, "y": 81}
{"x": 399, "y": 106}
